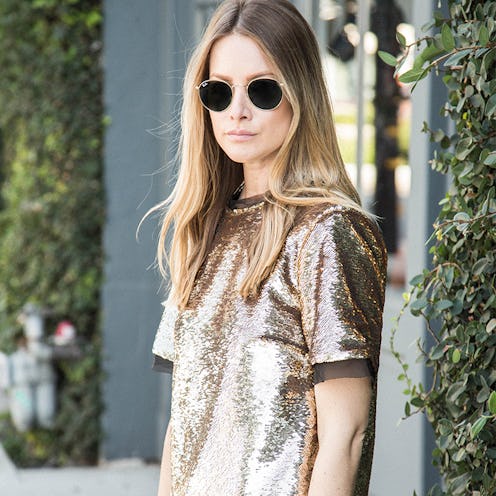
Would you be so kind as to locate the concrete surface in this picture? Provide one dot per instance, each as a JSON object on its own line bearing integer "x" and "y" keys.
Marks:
{"x": 123, "y": 478}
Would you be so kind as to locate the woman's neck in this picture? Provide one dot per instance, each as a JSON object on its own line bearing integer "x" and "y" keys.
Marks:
{"x": 256, "y": 181}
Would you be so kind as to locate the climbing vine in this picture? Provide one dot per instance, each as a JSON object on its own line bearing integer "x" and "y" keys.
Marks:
{"x": 457, "y": 298}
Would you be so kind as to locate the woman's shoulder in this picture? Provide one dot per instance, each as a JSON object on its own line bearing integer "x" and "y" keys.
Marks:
{"x": 330, "y": 221}
{"x": 327, "y": 213}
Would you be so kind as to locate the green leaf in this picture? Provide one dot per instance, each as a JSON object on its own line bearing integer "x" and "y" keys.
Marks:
{"x": 478, "y": 426}
{"x": 491, "y": 325}
{"x": 438, "y": 135}
{"x": 419, "y": 304}
{"x": 415, "y": 281}
{"x": 93, "y": 18}
{"x": 469, "y": 91}
{"x": 427, "y": 26}
{"x": 445, "y": 427}
{"x": 443, "y": 305}
{"x": 438, "y": 352}
{"x": 450, "y": 273}
{"x": 447, "y": 37}
{"x": 477, "y": 101}
{"x": 459, "y": 455}
{"x": 463, "y": 148}
{"x": 490, "y": 106}
{"x": 455, "y": 391}
{"x": 44, "y": 3}
{"x": 456, "y": 356}
{"x": 457, "y": 57}
{"x": 489, "y": 58}
{"x": 462, "y": 216}
{"x": 436, "y": 490}
{"x": 483, "y": 35}
{"x": 489, "y": 302}
{"x": 480, "y": 266}
{"x": 483, "y": 394}
{"x": 387, "y": 58}
{"x": 490, "y": 159}
{"x": 417, "y": 402}
{"x": 401, "y": 39}
{"x": 491, "y": 403}
{"x": 413, "y": 75}
{"x": 459, "y": 484}
{"x": 430, "y": 52}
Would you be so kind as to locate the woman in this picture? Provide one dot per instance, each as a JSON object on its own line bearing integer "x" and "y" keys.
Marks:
{"x": 274, "y": 316}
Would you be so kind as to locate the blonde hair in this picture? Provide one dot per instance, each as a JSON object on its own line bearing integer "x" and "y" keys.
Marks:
{"x": 308, "y": 168}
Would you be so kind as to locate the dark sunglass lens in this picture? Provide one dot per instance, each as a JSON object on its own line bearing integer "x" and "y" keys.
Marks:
{"x": 215, "y": 95}
{"x": 265, "y": 93}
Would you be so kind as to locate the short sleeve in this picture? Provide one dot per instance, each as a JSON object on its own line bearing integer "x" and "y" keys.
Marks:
{"x": 341, "y": 284}
{"x": 163, "y": 345}
{"x": 354, "y": 368}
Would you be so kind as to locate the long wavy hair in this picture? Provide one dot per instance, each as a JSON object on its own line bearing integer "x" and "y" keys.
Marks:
{"x": 307, "y": 170}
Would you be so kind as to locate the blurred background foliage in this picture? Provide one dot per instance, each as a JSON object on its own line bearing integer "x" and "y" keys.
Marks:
{"x": 51, "y": 205}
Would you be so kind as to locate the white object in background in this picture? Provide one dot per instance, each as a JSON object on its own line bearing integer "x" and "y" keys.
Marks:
{"x": 4, "y": 382}
{"x": 32, "y": 379}
{"x": 21, "y": 393}
{"x": 4, "y": 371}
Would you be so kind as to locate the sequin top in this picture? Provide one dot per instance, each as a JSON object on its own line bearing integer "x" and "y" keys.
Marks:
{"x": 243, "y": 415}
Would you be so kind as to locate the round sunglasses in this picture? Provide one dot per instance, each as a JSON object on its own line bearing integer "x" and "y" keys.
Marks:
{"x": 216, "y": 95}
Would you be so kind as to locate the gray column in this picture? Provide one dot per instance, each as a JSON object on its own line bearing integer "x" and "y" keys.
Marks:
{"x": 135, "y": 397}
{"x": 404, "y": 449}
{"x": 428, "y": 188}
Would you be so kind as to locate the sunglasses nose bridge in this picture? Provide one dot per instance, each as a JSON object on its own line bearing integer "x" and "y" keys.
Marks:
{"x": 236, "y": 104}
{"x": 234, "y": 86}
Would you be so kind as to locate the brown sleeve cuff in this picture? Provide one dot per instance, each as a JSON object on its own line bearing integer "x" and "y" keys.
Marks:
{"x": 358, "y": 367}
{"x": 162, "y": 365}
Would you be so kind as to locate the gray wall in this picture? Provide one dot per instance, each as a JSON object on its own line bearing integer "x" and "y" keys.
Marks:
{"x": 147, "y": 45}
{"x": 403, "y": 459}
{"x": 135, "y": 397}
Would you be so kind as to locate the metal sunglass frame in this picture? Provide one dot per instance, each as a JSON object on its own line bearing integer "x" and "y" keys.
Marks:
{"x": 232, "y": 86}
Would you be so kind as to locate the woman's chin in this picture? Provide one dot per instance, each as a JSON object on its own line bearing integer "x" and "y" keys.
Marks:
{"x": 237, "y": 157}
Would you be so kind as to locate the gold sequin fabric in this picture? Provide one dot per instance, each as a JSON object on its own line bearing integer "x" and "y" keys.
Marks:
{"x": 243, "y": 405}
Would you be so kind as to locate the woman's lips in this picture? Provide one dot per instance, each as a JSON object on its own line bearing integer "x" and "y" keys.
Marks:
{"x": 240, "y": 135}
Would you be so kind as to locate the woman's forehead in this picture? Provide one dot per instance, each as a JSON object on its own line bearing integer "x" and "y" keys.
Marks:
{"x": 238, "y": 56}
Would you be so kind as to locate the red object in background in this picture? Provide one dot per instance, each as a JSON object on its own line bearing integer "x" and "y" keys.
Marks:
{"x": 65, "y": 333}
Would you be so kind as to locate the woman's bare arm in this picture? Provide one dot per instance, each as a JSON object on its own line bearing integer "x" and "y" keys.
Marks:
{"x": 164, "y": 485}
{"x": 342, "y": 417}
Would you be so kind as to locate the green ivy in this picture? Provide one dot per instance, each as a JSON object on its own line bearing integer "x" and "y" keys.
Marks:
{"x": 52, "y": 212}
{"x": 457, "y": 298}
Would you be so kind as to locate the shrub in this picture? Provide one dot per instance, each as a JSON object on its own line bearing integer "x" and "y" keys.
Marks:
{"x": 51, "y": 208}
{"x": 457, "y": 298}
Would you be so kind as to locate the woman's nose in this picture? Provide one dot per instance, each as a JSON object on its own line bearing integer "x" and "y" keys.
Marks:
{"x": 240, "y": 105}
